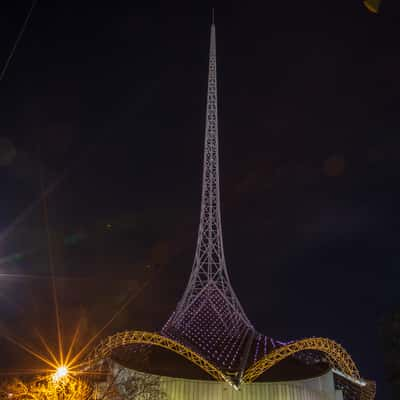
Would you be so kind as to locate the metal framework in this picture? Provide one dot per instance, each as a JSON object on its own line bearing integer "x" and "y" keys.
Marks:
{"x": 209, "y": 316}
{"x": 337, "y": 356}
{"x": 121, "y": 339}
{"x": 209, "y": 326}
{"x": 335, "y": 353}
{"x": 209, "y": 273}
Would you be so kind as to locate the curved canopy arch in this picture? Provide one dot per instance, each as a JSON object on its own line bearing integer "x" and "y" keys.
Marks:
{"x": 105, "y": 348}
{"x": 336, "y": 354}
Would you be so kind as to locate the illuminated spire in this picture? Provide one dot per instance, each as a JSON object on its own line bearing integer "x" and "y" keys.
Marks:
{"x": 209, "y": 300}
{"x": 209, "y": 326}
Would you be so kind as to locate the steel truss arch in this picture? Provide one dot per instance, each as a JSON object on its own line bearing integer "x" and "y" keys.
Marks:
{"x": 120, "y": 339}
{"x": 338, "y": 357}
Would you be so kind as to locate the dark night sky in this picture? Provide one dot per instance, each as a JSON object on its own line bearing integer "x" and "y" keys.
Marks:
{"x": 114, "y": 97}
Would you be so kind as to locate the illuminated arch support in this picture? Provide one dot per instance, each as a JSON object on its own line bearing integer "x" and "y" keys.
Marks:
{"x": 336, "y": 354}
{"x": 338, "y": 357}
{"x": 105, "y": 348}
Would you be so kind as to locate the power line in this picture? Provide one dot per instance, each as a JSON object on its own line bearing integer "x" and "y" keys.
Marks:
{"x": 19, "y": 37}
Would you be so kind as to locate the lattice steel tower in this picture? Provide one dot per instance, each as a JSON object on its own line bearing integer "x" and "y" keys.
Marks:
{"x": 209, "y": 326}
{"x": 209, "y": 297}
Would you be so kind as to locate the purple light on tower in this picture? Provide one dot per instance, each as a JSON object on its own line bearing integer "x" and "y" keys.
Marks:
{"x": 209, "y": 317}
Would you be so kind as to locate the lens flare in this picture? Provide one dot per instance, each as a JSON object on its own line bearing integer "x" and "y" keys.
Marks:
{"x": 61, "y": 372}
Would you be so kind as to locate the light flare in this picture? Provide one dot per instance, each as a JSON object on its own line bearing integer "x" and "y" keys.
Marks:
{"x": 61, "y": 372}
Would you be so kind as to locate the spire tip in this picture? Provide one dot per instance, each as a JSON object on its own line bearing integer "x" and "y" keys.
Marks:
{"x": 212, "y": 16}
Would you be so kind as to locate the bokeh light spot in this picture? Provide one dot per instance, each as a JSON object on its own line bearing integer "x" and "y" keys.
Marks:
{"x": 334, "y": 166}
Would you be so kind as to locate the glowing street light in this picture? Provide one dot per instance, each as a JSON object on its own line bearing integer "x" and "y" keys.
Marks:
{"x": 60, "y": 373}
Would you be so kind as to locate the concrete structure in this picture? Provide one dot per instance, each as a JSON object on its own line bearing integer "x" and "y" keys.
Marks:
{"x": 317, "y": 388}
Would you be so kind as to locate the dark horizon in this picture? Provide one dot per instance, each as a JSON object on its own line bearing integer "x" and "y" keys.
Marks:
{"x": 110, "y": 104}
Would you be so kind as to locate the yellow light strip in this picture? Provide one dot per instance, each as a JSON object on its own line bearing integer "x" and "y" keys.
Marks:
{"x": 337, "y": 355}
